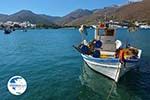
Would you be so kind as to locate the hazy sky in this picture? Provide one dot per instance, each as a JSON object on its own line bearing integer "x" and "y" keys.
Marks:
{"x": 54, "y": 7}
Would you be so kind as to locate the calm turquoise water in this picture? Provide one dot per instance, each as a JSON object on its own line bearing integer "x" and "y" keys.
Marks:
{"x": 55, "y": 71}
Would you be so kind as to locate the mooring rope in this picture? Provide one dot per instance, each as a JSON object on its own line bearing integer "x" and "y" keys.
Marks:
{"x": 113, "y": 84}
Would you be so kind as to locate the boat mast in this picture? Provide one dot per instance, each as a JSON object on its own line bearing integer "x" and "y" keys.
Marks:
{"x": 96, "y": 36}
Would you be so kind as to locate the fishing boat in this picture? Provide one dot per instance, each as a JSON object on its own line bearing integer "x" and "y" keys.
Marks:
{"x": 7, "y": 30}
{"x": 106, "y": 55}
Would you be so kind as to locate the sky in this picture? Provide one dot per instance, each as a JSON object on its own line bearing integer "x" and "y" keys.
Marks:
{"x": 55, "y": 7}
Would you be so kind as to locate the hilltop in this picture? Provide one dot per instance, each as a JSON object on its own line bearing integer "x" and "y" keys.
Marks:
{"x": 139, "y": 11}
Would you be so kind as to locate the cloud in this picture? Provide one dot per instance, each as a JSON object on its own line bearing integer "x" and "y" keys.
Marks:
{"x": 135, "y": 0}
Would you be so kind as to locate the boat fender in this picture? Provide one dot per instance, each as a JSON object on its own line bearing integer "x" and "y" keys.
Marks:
{"x": 98, "y": 44}
{"x": 84, "y": 49}
{"x": 96, "y": 54}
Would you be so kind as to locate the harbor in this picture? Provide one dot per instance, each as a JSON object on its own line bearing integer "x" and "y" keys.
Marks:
{"x": 75, "y": 50}
{"x": 107, "y": 55}
{"x": 48, "y": 68}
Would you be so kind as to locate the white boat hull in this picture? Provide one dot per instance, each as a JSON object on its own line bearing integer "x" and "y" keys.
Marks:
{"x": 112, "y": 70}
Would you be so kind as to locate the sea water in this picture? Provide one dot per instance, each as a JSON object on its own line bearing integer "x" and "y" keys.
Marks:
{"x": 54, "y": 70}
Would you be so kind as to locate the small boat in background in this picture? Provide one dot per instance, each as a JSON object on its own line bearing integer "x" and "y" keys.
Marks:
{"x": 145, "y": 26}
{"x": 24, "y": 29}
{"x": 106, "y": 55}
{"x": 7, "y": 30}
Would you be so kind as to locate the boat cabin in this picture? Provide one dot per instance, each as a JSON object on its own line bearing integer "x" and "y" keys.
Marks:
{"x": 106, "y": 46}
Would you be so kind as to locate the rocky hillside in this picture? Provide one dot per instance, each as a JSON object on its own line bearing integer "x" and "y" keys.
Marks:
{"x": 79, "y": 13}
{"x": 132, "y": 11}
{"x": 26, "y": 15}
{"x": 94, "y": 17}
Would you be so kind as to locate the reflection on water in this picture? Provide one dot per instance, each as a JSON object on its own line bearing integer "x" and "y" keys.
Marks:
{"x": 104, "y": 86}
{"x": 46, "y": 59}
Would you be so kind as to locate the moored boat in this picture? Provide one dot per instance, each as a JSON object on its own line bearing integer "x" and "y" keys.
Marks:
{"x": 7, "y": 30}
{"x": 106, "y": 55}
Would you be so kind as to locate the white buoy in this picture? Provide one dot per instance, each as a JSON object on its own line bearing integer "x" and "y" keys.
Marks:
{"x": 118, "y": 44}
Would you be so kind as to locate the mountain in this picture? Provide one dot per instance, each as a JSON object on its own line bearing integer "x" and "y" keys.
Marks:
{"x": 26, "y": 15}
{"x": 50, "y": 18}
{"x": 94, "y": 17}
{"x": 3, "y": 17}
{"x": 139, "y": 11}
{"x": 132, "y": 11}
{"x": 79, "y": 13}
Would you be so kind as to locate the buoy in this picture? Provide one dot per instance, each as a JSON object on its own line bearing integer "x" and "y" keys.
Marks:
{"x": 98, "y": 44}
{"x": 121, "y": 55}
{"x": 96, "y": 54}
{"x": 84, "y": 49}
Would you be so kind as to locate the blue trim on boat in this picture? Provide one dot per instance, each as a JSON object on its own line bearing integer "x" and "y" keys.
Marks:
{"x": 99, "y": 60}
{"x": 132, "y": 61}
{"x": 108, "y": 60}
